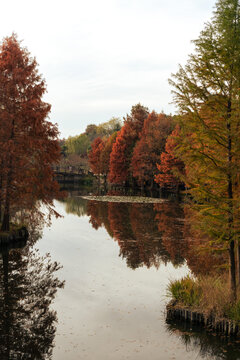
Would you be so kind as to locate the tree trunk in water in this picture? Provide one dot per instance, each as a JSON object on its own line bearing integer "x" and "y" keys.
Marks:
{"x": 6, "y": 210}
{"x": 151, "y": 184}
{"x": 98, "y": 185}
{"x": 105, "y": 183}
{"x": 160, "y": 191}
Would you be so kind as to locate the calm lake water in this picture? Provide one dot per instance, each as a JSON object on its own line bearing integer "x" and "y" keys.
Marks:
{"x": 107, "y": 300}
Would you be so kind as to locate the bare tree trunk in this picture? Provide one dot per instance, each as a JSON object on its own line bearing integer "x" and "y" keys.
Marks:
{"x": 230, "y": 203}
{"x": 6, "y": 211}
{"x": 6, "y": 216}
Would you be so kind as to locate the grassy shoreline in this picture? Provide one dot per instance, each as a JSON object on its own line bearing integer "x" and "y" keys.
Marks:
{"x": 209, "y": 295}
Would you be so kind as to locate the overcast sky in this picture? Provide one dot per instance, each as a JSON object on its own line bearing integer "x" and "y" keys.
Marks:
{"x": 100, "y": 57}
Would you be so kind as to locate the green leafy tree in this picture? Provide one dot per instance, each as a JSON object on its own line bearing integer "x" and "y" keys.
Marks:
{"x": 78, "y": 145}
{"x": 207, "y": 92}
{"x": 91, "y": 132}
{"x": 109, "y": 127}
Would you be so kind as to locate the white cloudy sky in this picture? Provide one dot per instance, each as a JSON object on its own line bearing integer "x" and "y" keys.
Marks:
{"x": 100, "y": 57}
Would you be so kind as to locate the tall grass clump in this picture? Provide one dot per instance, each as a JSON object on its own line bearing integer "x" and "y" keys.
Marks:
{"x": 185, "y": 291}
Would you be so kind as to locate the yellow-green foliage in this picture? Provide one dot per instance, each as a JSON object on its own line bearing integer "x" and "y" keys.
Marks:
{"x": 81, "y": 144}
{"x": 207, "y": 93}
{"x": 185, "y": 291}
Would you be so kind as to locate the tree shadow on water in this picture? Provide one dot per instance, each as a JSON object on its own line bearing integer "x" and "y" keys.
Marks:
{"x": 28, "y": 285}
{"x": 208, "y": 345}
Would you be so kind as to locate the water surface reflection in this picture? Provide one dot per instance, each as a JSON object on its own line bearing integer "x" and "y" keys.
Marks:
{"x": 150, "y": 234}
{"x": 207, "y": 345}
{"x": 28, "y": 285}
{"x": 117, "y": 261}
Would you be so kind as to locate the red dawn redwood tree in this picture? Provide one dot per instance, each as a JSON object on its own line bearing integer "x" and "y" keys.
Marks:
{"x": 156, "y": 129}
{"x": 94, "y": 156}
{"x": 170, "y": 165}
{"x": 29, "y": 143}
{"x": 121, "y": 155}
{"x": 118, "y": 169}
{"x": 105, "y": 154}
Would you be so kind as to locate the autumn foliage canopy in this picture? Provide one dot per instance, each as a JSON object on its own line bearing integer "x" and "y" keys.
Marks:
{"x": 170, "y": 164}
{"x": 133, "y": 154}
{"x": 148, "y": 149}
{"x": 120, "y": 158}
{"x": 29, "y": 142}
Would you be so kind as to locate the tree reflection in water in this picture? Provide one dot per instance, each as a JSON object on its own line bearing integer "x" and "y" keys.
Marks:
{"x": 151, "y": 234}
{"x": 207, "y": 345}
{"x": 138, "y": 229}
{"x": 75, "y": 205}
{"x": 203, "y": 257}
{"x": 169, "y": 217}
{"x": 28, "y": 285}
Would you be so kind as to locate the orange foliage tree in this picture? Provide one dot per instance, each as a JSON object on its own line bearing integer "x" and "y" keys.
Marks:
{"x": 105, "y": 154}
{"x": 94, "y": 156}
{"x": 169, "y": 164}
{"x": 29, "y": 143}
{"x": 156, "y": 129}
{"x": 121, "y": 155}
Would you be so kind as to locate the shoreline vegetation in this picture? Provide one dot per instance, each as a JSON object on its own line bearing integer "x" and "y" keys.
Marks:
{"x": 205, "y": 301}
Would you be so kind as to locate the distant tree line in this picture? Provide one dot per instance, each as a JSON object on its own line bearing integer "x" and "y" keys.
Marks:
{"x": 81, "y": 144}
{"x": 75, "y": 149}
